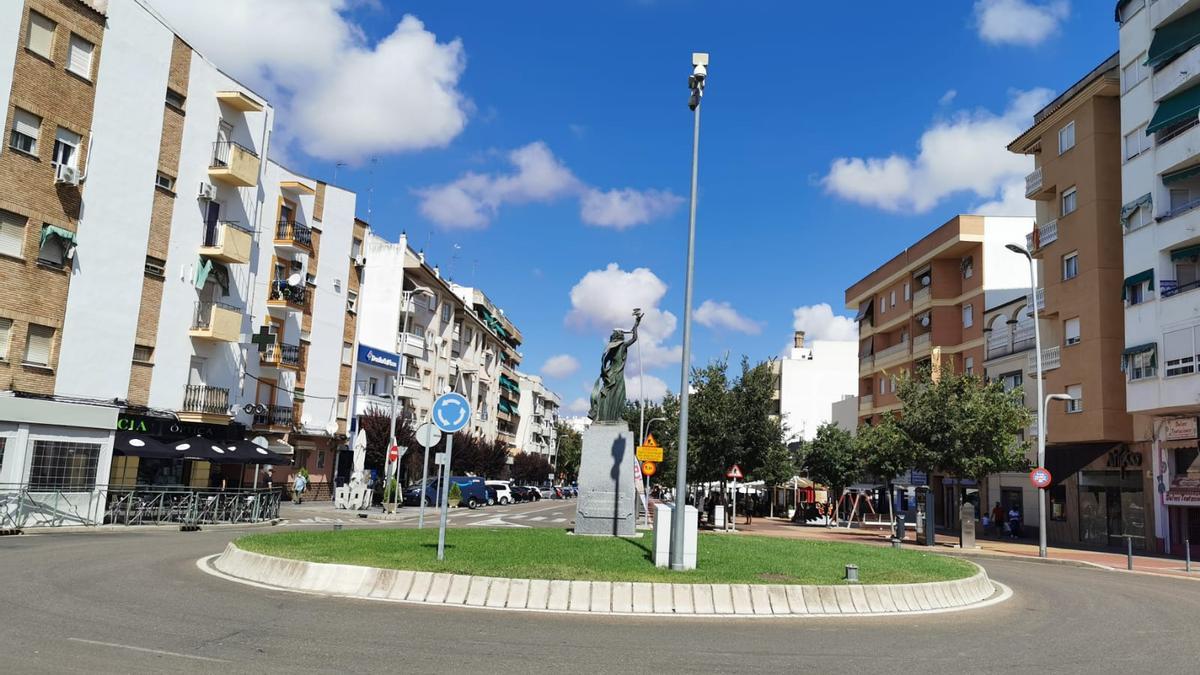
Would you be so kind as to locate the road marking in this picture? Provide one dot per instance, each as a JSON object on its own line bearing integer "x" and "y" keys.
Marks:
{"x": 495, "y": 522}
{"x": 147, "y": 650}
{"x": 538, "y": 518}
{"x": 517, "y": 515}
{"x": 558, "y": 520}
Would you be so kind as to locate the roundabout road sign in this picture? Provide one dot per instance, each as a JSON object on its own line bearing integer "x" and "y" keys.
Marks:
{"x": 451, "y": 412}
{"x": 1040, "y": 477}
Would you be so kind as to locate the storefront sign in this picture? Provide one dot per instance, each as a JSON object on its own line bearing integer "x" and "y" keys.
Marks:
{"x": 1123, "y": 458}
{"x": 1179, "y": 429}
{"x": 378, "y": 357}
{"x": 1184, "y": 492}
{"x": 170, "y": 429}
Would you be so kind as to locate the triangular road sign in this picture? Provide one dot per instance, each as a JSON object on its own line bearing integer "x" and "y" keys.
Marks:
{"x": 650, "y": 441}
{"x": 734, "y": 473}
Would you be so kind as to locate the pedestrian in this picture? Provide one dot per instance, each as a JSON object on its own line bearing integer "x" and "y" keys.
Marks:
{"x": 298, "y": 486}
{"x": 1014, "y": 522}
{"x": 998, "y": 518}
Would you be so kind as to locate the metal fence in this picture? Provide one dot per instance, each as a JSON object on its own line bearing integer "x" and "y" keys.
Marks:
{"x": 201, "y": 398}
{"x": 22, "y": 506}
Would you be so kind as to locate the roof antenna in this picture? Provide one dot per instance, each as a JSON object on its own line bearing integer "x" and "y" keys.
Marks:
{"x": 370, "y": 188}
{"x": 335, "y": 171}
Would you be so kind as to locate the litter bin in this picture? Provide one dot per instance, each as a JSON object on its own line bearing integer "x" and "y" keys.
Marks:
{"x": 898, "y": 527}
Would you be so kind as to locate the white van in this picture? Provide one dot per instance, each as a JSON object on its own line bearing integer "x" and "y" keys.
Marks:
{"x": 503, "y": 493}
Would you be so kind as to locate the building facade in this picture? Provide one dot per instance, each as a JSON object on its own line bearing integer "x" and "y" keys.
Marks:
{"x": 538, "y": 411}
{"x": 1160, "y": 190}
{"x": 810, "y": 380}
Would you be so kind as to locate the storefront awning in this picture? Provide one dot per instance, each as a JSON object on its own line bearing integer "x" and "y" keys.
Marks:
{"x": 1175, "y": 109}
{"x": 1140, "y": 278}
{"x": 1187, "y": 253}
{"x": 1064, "y": 461}
{"x": 1173, "y": 39}
{"x": 133, "y": 444}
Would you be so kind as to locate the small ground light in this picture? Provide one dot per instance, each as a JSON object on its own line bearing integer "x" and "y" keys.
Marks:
{"x": 852, "y": 573}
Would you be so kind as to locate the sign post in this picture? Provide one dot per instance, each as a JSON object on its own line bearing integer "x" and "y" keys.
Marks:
{"x": 734, "y": 474}
{"x": 450, "y": 413}
{"x": 428, "y": 436}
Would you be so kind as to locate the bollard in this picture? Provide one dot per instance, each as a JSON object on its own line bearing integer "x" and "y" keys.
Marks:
{"x": 896, "y": 543}
{"x": 337, "y": 527}
{"x": 852, "y": 573}
{"x": 1129, "y": 552}
{"x": 1187, "y": 553}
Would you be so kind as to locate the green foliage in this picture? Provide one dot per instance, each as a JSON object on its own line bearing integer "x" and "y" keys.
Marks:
{"x": 376, "y": 422}
{"x": 570, "y": 451}
{"x": 831, "y": 458}
{"x": 391, "y": 493}
{"x": 455, "y": 494}
{"x": 530, "y": 467}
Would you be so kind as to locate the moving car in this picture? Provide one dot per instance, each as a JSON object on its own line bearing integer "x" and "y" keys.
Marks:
{"x": 504, "y": 494}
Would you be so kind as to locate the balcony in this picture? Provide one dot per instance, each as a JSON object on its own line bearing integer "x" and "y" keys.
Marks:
{"x": 1041, "y": 302}
{"x": 1047, "y": 233}
{"x": 202, "y": 403}
{"x": 293, "y": 236}
{"x": 239, "y": 101}
{"x": 921, "y": 343}
{"x": 1177, "y": 75}
{"x": 921, "y": 298}
{"x": 1165, "y": 10}
{"x": 288, "y": 297}
{"x": 227, "y": 242}
{"x": 1033, "y": 183}
{"x": 281, "y": 355}
{"x": 865, "y": 403}
{"x": 893, "y": 355}
{"x": 275, "y": 416}
{"x": 1176, "y": 146}
{"x": 216, "y": 321}
{"x": 233, "y": 164}
{"x": 1051, "y": 359}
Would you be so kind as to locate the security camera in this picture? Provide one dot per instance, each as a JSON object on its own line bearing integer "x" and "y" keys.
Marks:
{"x": 699, "y": 73}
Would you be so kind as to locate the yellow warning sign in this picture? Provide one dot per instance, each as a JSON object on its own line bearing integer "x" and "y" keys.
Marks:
{"x": 650, "y": 450}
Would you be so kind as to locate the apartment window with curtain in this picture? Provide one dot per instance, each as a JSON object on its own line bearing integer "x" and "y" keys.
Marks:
{"x": 1071, "y": 331}
{"x": 38, "y": 343}
{"x": 882, "y": 305}
{"x": 907, "y": 292}
{"x": 1070, "y": 265}
{"x": 79, "y": 57}
{"x": 25, "y": 131}
{"x": 1137, "y": 142}
{"x": 39, "y": 39}
{"x": 1142, "y": 366}
{"x": 1066, "y": 138}
{"x": 12, "y": 234}
{"x": 66, "y": 148}
{"x": 5, "y": 337}
{"x": 1075, "y": 391}
{"x": 1069, "y": 201}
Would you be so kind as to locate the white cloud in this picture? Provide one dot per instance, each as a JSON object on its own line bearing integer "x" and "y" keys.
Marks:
{"x": 474, "y": 199}
{"x": 562, "y": 365}
{"x": 627, "y": 207}
{"x": 1012, "y": 202}
{"x": 722, "y": 315}
{"x": 820, "y": 323}
{"x": 966, "y": 153}
{"x": 339, "y": 96}
{"x": 579, "y": 406}
{"x": 605, "y": 299}
{"x": 656, "y": 389}
{"x": 1019, "y": 22}
{"x": 948, "y": 97}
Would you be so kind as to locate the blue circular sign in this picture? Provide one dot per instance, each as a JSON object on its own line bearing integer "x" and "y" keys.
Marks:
{"x": 451, "y": 412}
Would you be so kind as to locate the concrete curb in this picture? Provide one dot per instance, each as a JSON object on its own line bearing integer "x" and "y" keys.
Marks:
{"x": 603, "y": 597}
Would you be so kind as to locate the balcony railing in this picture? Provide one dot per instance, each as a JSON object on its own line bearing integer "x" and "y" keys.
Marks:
{"x": 1179, "y": 209}
{"x": 275, "y": 416}
{"x": 920, "y": 341}
{"x": 1171, "y": 287}
{"x": 1175, "y": 130}
{"x": 894, "y": 350}
{"x": 234, "y": 163}
{"x": 1033, "y": 182}
{"x": 201, "y": 398}
{"x": 1041, "y": 301}
{"x": 282, "y": 354}
{"x": 293, "y": 233}
{"x": 1048, "y": 233}
{"x": 1051, "y": 359}
{"x": 202, "y": 318}
{"x": 920, "y": 296}
{"x": 295, "y": 296}
{"x": 866, "y": 402}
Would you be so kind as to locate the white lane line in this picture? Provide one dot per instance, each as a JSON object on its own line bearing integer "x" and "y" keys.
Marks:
{"x": 146, "y": 650}
{"x": 538, "y": 518}
{"x": 517, "y": 516}
{"x": 558, "y": 520}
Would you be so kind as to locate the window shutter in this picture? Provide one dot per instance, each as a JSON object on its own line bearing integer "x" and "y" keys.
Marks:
{"x": 1072, "y": 331}
{"x": 79, "y": 59}
{"x": 37, "y": 346}
{"x": 12, "y": 234}
{"x": 26, "y": 123}
{"x": 41, "y": 35}
{"x": 5, "y": 336}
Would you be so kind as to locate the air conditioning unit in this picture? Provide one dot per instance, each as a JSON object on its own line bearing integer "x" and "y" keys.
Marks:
{"x": 360, "y": 261}
{"x": 67, "y": 174}
{"x": 208, "y": 191}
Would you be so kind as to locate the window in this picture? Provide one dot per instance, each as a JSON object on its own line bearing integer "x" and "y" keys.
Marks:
{"x": 1142, "y": 365}
{"x": 156, "y": 267}
{"x": 372, "y": 385}
{"x": 66, "y": 148}
{"x": 1187, "y": 273}
{"x": 893, "y": 298}
{"x": 882, "y": 385}
{"x": 446, "y": 314}
{"x": 882, "y": 305}
{"x": 12, "y": 234}
{"x": 343, "y": 406}
{"x": 1179, "y": 351}
{"x": 969, "y": 365}
{"x": 1075, "y": 391}
{"x": 1136, "y": 142}
{"x": 1070, "y": 265}
{"x": 1057, "y": 495}
{"x": 162, "y": 180}
{"x": 968, "y": 316}
{"x": 59, "y": 465}
{"x": 5, "y": 337}
{"x": 79, "y": 56}
{"x": 441, "y": 386}
{"x": 1139, "y": 217}
{"x": 355, "y": 248}
{"x": 1133, "y": 74}
{"x": 431, "y": 301}
{"x": 40, "y": 37}
{"x": 320, "y": 459}
{"x": 1066, "y": 138}
{"x": 1068, "y": 201}
{"x": 968, "y": 267}
{"x": 37, "y": 345}
{"x": 1136, "y": 293}
{"x": 53, "y": 251}
{"x": 907, "y": 292}
{"x": 1179, "y": 198}
{"x": 143, "y": 353}
{"x": 24, "y": 136}
{"x": 892, "y": 383}
{"x": 351, "y": 301}
{"x": 175, "y": 99}
{"x": 1071, "y": 331}
{"x": 347, "y": 353}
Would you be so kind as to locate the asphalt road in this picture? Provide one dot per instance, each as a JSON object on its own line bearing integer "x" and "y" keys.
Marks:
{"x": 135, "y": 602}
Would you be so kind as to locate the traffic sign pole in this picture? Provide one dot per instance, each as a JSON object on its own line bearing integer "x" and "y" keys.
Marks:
{"x": 445, "y": 498}
{"x": 450, "y": 412}
{"x": 428, "y": 436}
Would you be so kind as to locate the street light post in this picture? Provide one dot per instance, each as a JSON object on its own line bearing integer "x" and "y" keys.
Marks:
{"x": 1041, "y": 412}
{"x": 696, "y": 83}
{"x": 1043, "y": 427}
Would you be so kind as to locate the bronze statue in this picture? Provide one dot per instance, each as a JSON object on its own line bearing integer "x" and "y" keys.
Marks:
{"x": 608, "y": 395}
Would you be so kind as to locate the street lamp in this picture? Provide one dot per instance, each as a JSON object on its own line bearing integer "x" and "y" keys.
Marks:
{"x": 1043, "y": 425}
{"x": 696, "y": 82}
{"x": 1041, "y": 412}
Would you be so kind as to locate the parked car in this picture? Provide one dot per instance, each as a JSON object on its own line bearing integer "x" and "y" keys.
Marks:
{"x": 521, "y": 493}
{"x": 504, "y": 495}
{"x": 474, "y": 492}
{"x": 545, "y": 493}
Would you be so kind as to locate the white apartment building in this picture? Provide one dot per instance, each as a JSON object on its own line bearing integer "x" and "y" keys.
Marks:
{"x": 810, "y": 380}
{"x": 497, "y": 363}
{"x": 1160, "y": 121}
{"x": 538, "y": 410}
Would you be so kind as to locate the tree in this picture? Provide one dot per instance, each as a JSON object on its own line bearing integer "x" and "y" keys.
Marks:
{"x": 570, "y": 451}
{"x": 761, "y": 450}
{"x": 712, "y": 433}
{"x": 530, "y": 467}
{"x": 475, "y": 455}
{"x": 832, "y": 459}
{"x": 885, "y": 452}
{"x": 376, "y": 423}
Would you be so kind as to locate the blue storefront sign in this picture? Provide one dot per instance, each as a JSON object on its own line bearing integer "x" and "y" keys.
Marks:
{"x": 378, "y": 358}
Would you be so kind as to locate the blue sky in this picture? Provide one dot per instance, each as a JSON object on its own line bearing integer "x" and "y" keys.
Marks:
{"x": 833, "y": 135}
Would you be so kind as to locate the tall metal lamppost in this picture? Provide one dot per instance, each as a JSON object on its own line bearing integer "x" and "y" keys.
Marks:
{"x": 696, "y": 83}
{"x": 1041, "y": 411}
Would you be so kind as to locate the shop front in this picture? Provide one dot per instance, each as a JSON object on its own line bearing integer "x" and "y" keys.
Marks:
{"x": 1102, "y": 496}
{"x": 1182, "y": 497}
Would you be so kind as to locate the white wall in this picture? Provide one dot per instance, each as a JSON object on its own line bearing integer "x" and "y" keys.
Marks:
{"x": 381, "y": 292}
{"x": 845, "y": 413}
{"x": 1005, "y": 274}
{"x": 10, "y": 28}
{"x": 809, "y": 387}
{"x": 107, "y": 272}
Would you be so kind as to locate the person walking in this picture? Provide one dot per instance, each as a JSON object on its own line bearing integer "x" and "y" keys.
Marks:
{"x": 998, "y": 518}
{"x": 298, "y": 486}
{"x": 1014, "y": 522}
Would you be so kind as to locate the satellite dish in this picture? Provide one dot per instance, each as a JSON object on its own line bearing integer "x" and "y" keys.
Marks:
{"x": 331, "y": 428}
{"x": 294, "y": 280}
{"x": 260, "y": 441}
{"x": 925, "y": 280}
{"x": 925, "y": 320}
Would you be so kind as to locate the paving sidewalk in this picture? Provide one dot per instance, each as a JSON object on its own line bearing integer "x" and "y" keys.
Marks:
{"x": 946, "y": 543}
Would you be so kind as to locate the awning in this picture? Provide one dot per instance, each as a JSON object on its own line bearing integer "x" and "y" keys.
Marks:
{"x": 245, "y": 452}
{"x": 1182, "y": 174}
{"x": 67, "y": 237}
{"x": 1173, "y": 39}
{"x": 1186, "y": 253}
{"x": 864, "y": 309}
{"x": 133, "y": 444}
{"x": 1139, "y": 278}
{"x": 504, "y": 407}
{"x": 1064, "y": 461}
{"x": 866, "y": 349}
{"x": 1130, "y": 208}
{"x": 1177, "y": 108}
{"x": 1150, "y": 347}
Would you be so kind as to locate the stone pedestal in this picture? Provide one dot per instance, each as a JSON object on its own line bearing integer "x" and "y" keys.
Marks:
{"x": 966, "y": 515}
{"x": 607, "y": 473}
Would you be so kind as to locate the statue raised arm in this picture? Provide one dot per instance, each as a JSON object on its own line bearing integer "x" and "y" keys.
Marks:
{"x": 608, "y": 394}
